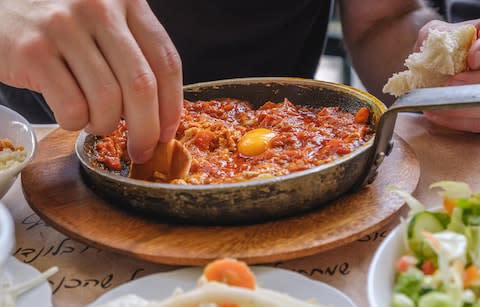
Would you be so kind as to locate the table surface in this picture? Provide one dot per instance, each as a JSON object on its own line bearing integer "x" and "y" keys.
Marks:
{"x": 86, "y": 273}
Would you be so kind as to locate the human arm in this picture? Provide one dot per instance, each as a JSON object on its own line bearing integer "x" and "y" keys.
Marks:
{"x": 379, "y": 35}
{"x": 95, "y": 61}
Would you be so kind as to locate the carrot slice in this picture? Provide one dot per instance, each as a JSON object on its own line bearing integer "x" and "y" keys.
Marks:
{"x": 469, "y": 275}
{"x": 231, "y": 272}
{"x": 449, "y": 204}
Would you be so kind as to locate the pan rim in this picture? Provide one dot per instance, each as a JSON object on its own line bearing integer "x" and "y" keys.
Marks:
{"x": 79, "y": 144}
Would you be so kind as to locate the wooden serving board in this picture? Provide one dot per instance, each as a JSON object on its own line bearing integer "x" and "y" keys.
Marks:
{"x": 54, "y": 189}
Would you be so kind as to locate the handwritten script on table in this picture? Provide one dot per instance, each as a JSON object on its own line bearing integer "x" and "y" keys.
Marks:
{"x": 87, "y": 272}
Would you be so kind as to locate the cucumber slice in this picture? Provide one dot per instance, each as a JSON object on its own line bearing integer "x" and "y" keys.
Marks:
{"x": 425, "y": 221}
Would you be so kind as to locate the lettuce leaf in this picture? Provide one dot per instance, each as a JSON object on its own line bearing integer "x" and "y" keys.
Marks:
{"x": 453, "y": 189}
{"x": 414, "y": 204}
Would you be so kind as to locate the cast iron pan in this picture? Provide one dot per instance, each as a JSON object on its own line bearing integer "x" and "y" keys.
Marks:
{"x": 257, "y": 201}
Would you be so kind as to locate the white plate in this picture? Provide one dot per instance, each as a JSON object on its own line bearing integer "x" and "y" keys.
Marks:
{"x": 161, "y": 285}
{"x": 40, "y": 296}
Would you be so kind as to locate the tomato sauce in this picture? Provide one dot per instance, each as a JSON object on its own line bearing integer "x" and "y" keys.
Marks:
{"x": 111, "y": 149}
{"x": 305, "y": 137}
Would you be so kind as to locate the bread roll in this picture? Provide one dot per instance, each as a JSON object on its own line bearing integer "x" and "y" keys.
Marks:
{"x": 442, "y": 55}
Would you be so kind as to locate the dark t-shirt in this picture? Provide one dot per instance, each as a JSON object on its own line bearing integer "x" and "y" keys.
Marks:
{"x": 220, "y": 39}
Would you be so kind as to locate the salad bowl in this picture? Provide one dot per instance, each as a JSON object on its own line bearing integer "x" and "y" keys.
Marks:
{"x": 381, "y": 274}
{"x": 431, "y": 258}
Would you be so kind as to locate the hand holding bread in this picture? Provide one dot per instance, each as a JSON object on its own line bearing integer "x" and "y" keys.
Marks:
{"x": 446, "y": 54}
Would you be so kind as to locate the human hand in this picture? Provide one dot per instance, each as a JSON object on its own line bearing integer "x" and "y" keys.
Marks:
{"x": 95, "y": 61}
{"x": 466, "y": 119}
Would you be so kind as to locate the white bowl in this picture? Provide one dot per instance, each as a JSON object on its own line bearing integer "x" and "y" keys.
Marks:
{"x": 381, "y": 273}
{"x": 15, "y": 127}
{"x": 7, "y": 235}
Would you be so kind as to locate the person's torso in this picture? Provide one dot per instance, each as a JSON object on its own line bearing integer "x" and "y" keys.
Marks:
{"x": 220, "y": 39}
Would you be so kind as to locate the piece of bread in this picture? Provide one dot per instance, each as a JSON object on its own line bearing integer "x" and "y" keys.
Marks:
{"x": 442, "y": 55}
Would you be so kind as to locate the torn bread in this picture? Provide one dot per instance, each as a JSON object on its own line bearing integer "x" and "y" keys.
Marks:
{"x": 169, "y": 161}
{"x": 442, "y": 55}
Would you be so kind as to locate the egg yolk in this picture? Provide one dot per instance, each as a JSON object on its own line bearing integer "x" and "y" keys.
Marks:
{"x": 255, "y": 141}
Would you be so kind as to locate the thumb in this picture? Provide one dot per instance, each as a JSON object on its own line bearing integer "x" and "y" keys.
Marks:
{"x": 473, "y": 58}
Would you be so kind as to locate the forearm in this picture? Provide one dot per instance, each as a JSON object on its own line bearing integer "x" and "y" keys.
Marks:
{"x": 379, "y": 35}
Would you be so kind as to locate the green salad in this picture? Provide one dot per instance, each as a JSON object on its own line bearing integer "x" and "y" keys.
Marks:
{"x": 442, "y": 266}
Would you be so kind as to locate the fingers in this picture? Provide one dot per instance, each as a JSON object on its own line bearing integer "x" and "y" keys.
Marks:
{"x": 473, "y": 58}
{"x": 93, "y": 74}
{"x": 441, "y": 26}
{"x": 442, "y": 118}
{"x": 137, "y": 82}
{"x": 54, "y": 80}
{"x": 95, "y": 60}
{"x": 474, "y": 52}
{"x": 468, "y": 77}
{"x": 472, "y": 112}
{"x": 164, "y": 61}
{"x": 465, "y": 119}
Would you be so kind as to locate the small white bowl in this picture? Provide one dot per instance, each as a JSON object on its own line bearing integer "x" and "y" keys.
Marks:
{"x": 7, "y": 235}
{"x": 15, "y": 127}
{"x": 381, "y": 274}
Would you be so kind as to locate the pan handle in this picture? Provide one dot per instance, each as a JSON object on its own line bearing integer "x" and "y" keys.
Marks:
{"x": 438, "y": 98}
